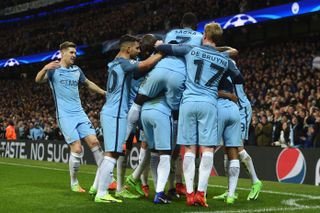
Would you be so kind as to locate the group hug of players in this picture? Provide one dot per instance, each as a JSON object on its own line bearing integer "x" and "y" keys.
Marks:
{"x": 182, "y": 91}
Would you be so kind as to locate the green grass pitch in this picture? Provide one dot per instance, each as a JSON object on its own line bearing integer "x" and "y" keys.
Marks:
{"x": 36, "y": 186}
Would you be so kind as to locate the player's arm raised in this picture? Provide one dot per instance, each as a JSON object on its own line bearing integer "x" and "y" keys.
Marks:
{"x": 42, "y": 74}
{"x": 145, "y": 66}
{"x": 93, "y": 87}
{"x": 173, "y": 49}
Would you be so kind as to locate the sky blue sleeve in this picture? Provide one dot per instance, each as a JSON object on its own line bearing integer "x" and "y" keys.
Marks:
{"x": 225, "y": 53}
{"x": 130, "y": 66}
{"x": 82, "y": 77}
{"x": 234, "y": 73}
{"x": 174, "y": 49}
{"x": 50, "y": 74}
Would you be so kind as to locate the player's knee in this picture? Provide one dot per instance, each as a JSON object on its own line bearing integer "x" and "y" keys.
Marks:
{"x": 76, "y": 148}
{"x": 244, "y": 156}
{"x": 77, "y": 152}
{"x": 93, "y": 143}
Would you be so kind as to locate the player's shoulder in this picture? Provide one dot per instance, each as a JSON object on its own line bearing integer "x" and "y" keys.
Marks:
{"x": 189, "y": 47}
{"x": 75, "y": 68}
{"x": 117, "y": 62}
{"x": 215, "y": 51}
{"x": 127, "y": 64}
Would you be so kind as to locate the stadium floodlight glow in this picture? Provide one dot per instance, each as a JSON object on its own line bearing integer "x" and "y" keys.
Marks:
{"x": 266, "y": 14}
{"x": 47, "y": 56}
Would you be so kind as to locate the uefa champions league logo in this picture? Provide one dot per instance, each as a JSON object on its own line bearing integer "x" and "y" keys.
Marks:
{"x": 11, "y": 62}
{"x": 56, "y": 55}
{"x": 295, "y": 8}
{"x": 239, "y": 20}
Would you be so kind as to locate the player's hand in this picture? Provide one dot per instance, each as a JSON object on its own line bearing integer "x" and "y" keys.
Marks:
{"x": 158, "y": 42}
{"x": 228, "y": 95}
{"x": 234, "y": 98}
{"x": 52, "y": 65}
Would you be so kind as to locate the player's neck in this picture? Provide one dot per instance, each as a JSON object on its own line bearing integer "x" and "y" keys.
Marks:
{"x": 123, "y": 55}
{"x": 209, "y": 43}
{"x": 64, "y": 64}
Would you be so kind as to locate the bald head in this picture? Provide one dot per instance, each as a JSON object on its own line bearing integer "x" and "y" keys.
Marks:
{"x": 147, "y": 45}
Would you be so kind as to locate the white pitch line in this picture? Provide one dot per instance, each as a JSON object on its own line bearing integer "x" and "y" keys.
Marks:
{"x": 293, "y": 202}
{"x": 270, "y": 192}
{"x": 41, "y": 167}
{"x": 209, "y": 185}
{"x": 262, "y": 210}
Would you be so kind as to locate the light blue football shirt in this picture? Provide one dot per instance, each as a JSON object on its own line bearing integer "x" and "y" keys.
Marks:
{"x": 205, "y": 67}
{"x": 184, "y": 36}
{"x": 64, "y": 85}
{"x": 120, "y": 73}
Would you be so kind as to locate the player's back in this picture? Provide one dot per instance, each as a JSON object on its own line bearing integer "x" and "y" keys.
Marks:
{"x": 174, "y": 73}
{"x": 225, "y": 85}
{"x": 184, "y": 36}
{"x": 118, "y": 87}
{"x": 239, "y": 90}
{"x": 180, "y": 36}
{"x": 64, "y": 84}
{"x": 205, "y": 67}
{"x": 159, "y": 103}
{"x": 176, "y": 83}
{"x": 172, "y": 63}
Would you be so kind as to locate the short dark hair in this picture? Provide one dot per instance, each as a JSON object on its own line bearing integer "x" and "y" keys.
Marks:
{"x": 67, "y": 44}
{"x": 147, "y": 45}
{"x": 127, "y": 39}
{"x": 189, "y": 20}
{"x": 11, "y": 122}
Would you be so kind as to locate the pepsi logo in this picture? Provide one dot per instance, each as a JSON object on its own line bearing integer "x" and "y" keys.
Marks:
{"x": 291, "y": 166}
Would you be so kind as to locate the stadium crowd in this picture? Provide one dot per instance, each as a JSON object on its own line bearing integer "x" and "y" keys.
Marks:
{"x": 92, "y": 25}
{"x": 285, "y": 93}
{"x": 282, "y": 86}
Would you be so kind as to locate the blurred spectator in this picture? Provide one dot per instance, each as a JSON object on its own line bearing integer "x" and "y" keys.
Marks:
{"x": 37, "y": 132}
{"x": 263, "y": 132}
{"x": 10, "y": 131}
{"x": 316, "y": 62}
{"x": 276, "y": 125}
{"x": 284, "y": 138}
{"x": 296, "y": 131}
{"x": 2, "y": 129}
{"x": 307, "y": 140}
{"x": 21, "y": 130}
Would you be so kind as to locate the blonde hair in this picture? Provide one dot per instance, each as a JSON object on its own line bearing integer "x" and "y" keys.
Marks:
{"x": 67, "y": 44}
{"x": 213, "y": 31}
